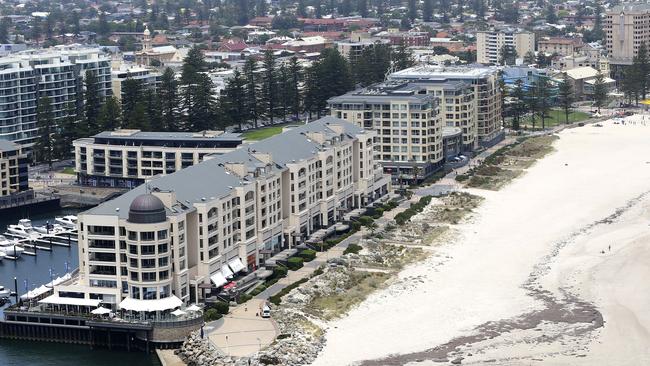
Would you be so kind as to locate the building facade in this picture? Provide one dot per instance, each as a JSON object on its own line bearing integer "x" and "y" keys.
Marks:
{"x": 626, "y": 28}
{"x": 57, "y": 73}
{"x": 126, "y": 158}
{"x": 13, "y": 169}
{"x": 560, "y": 45}
{"x": 407, "y": 123}
{"x": 149, "y": 79}
{"x": 480, "y": 116}
{"x": 489, "y": 44}
{"x": 176, "y": 238}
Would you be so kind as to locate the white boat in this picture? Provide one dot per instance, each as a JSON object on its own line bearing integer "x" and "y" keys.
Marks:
{"x": 68, "y": 221}
{"x": 52, "y": 229}
{"x": 24, "y": 229}
{"x": 10, "y": 247}
{"x": 4, "y": 292}
{"x": 2, "y": 255}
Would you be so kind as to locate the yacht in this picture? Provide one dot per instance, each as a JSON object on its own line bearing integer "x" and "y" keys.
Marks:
{"x": 10, "y": 247}
{"x": 68, "y": 221}
{"x": 24, "y": 229}
{"x": 4, "y": 292}
{"x": 52, "y": 229}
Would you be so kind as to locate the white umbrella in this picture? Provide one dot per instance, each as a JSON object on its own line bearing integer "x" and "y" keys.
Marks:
{"x": 193, "y": 308}
{"x": 100, "y": 311}
{"x": 178, "y": 312}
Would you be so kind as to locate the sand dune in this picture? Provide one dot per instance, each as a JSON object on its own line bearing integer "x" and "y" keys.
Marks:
{"x": 526, "y": 279}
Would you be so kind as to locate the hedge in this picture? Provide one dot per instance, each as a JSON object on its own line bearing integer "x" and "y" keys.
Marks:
{"x": 243, "y": 298}
{"x": 259, "y": 289}
{"x": 277, "y": 298}
{"x": 211, "y": 315}
{"x": 294, "y": 263}
{"x": 352, "y": 248}
{"x": 308, "y": 255}
{"x": 402, "y": 217}
{"x": 365, "y": 220}
{"x": 221, "y": 306}
{"x": 280, "y": 272}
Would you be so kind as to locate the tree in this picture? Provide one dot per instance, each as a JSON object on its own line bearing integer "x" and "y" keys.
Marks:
{"x": 566, "y": 96}
{"x": 93, "y": 102}
{"x": 153, "y": 108}
{"x": 131, "y": 98}
{"x": 233, "y": 101}
{"x": 372, "y": 64}
{"x": 412, "y": 10}
{"x": 631, "y": 85}
{"x": 641, "y": 67}
{"x": 551, "y": 17}
{"x": 362, "y": 8}
{"x": 295, "y": 75}
{"x": 251, "y": 86}
{"x": 427, "y": 10}
{"x": 110, "y": 117}
{"x": 543, "y": 103}
{"x": 508, "y": 55}
{"x": 269, "y": 95}
{"x": 600, "y": 91}
{"x": 284, "y": 91}
{"x": 328, "y": 77}
{"x": 519, "y": 104}
{"x": 169, "y": 102}
{"x": 402, "y": 57}
{"x": 66, "y": 133}
{"x": 529, "y": 58}
{"x": 44, "y": 146}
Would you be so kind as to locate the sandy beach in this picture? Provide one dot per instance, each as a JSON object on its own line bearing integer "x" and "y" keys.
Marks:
{"x": 531, "y": 277}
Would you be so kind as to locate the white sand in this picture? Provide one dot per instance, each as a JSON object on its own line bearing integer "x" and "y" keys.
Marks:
{"x": 479, "y": 278}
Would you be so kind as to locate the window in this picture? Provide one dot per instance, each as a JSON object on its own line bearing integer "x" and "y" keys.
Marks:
{"x": 148, "y": 249}
{"x": 162, "y": 262}
{"x": 162, "y": 234}
{"x": 148, "y": 263}
{"x": 133, "y": 235}
{"x": 148, "y": 276}
{"x": 162, "y": 248}
{"x": 147, "y": 236}
{"x": 135, "y": 292}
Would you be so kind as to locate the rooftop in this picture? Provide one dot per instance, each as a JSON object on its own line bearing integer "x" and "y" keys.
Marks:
{"x": 138, "y": 135}
{"x": 437, "y": 72}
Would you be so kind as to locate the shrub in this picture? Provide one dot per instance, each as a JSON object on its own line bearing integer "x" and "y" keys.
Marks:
{"x": 355, "y": 226}
{"x": 352, "y": 248}
{"x": 212, "y": 315}
{"x": 308, "y": 255}
{"x": 243, "y": 298}
{"x": 277, "y": 298}
{"x": 294, "y": 263}
{"x": 259, "y": 289}
{"x": 378, "y": 213}
{"x": 402, "y": 217}
{"x": 365, "y": 220}
{"x": 221, "y": 306}
{"x": 317, "y": 272}
{"x": 280, "y": 272}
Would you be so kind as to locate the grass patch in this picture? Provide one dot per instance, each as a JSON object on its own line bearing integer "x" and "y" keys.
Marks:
{"x": 68, "y": 170}
{"x": 356, "y": 289}
{"x": 555, "y": 117}
{"x": 263, "y": 133}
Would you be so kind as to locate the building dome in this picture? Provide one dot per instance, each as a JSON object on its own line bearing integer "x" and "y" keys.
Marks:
{"x": 147, "y": 209}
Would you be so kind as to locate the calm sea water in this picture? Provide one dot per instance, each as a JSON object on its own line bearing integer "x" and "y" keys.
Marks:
{"x": 35, "y": 271}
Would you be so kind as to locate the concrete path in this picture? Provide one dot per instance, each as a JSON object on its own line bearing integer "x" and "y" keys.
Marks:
{"x": 168, "y": 358}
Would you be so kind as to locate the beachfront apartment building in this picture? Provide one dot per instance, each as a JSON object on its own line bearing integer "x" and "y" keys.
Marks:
{"x": 126, "y": 158}
{"x": 13, "y": 169}
{"x": 178, "y": 237}
{"x": 147, "y": 77}
{"x": 479, "y": 116}
{"x": 407, "y": 123}
{"x": 626, "y": 28}
{"x": 56, "y": 73}
{"x": 489, "y": 44}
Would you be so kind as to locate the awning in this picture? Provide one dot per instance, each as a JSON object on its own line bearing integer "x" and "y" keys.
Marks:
{"x": 193, "y": 308}
{"x": 100, "y": 311}
{"x": 227, "y": 272}
{"x": 178, "y": 312}
{"x": 56, "y": 300}
{"x": 218, "y": 279}
{"x": 151, "y": 305}
{"x": 236, "y": 265}
{"x": 35, "y": 293}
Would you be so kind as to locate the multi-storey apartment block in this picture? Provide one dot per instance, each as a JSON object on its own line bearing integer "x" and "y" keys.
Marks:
{"x": 486, "y": 103}
{"x": 56, "y": 73}
{"x": 13, "y": 169}
{"x": 407, "y": 123}
{"x": 172, "y": 239}
{"x": 489, "y": 44}
{"x": 626, "y": 28}
{"x": 149, "y": 78}
{"x": 126, "y": 158}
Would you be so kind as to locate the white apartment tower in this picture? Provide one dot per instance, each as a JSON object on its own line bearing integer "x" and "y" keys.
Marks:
{"x": 489, "y": 44}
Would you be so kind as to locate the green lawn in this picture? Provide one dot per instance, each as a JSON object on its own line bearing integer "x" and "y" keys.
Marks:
{"x": 556, "y": 117}
{"x": 68, "y": 170}
{"x": 262, "y": 133}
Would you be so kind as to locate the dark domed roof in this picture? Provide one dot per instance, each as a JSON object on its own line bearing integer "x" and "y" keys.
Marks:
{"x": 147, "y": 209}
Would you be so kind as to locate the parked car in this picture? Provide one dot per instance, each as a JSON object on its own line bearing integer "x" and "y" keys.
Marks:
{"x": 266, "y": 311}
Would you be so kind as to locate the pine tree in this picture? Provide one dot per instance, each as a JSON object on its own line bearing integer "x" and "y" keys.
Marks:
{"x": 519, "y": 104}
{"x": 328, "y": 77}
{"x": 201, "y": 114}
{"x": 93, "y": 102}
{"x": 110, "y": 117}
{"x": 295, "y": 75}
{"x": 300, "y": 9}
{"x": 600, "y": 91}
{"x": 373, "y": 63}
{"x": 402, "y": 57}
{"x": 529, "y": 58}
{"x": 551, "y": 17}
{"x": 508, "y": 55}
{"x": 641, "y": 65}
{"x": 252, "y": 90}
{"x": 44, "y": 146}
{"x": 169, "y": 103}
{"x": 543, "y": 99}
{"x": 269, "y": 95}
{"x": 131, "y": 97}
{"x": 154, "y": 110}
{"x": 362, "y": 8}
{"x": 566, "y": 96}
{"x": 234, "y": 100}
{"x": 631, "y": 84}
{"x": 412, "y": 10}
{"x": 66, "y": 133}
{"x": 427, "y": 10}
